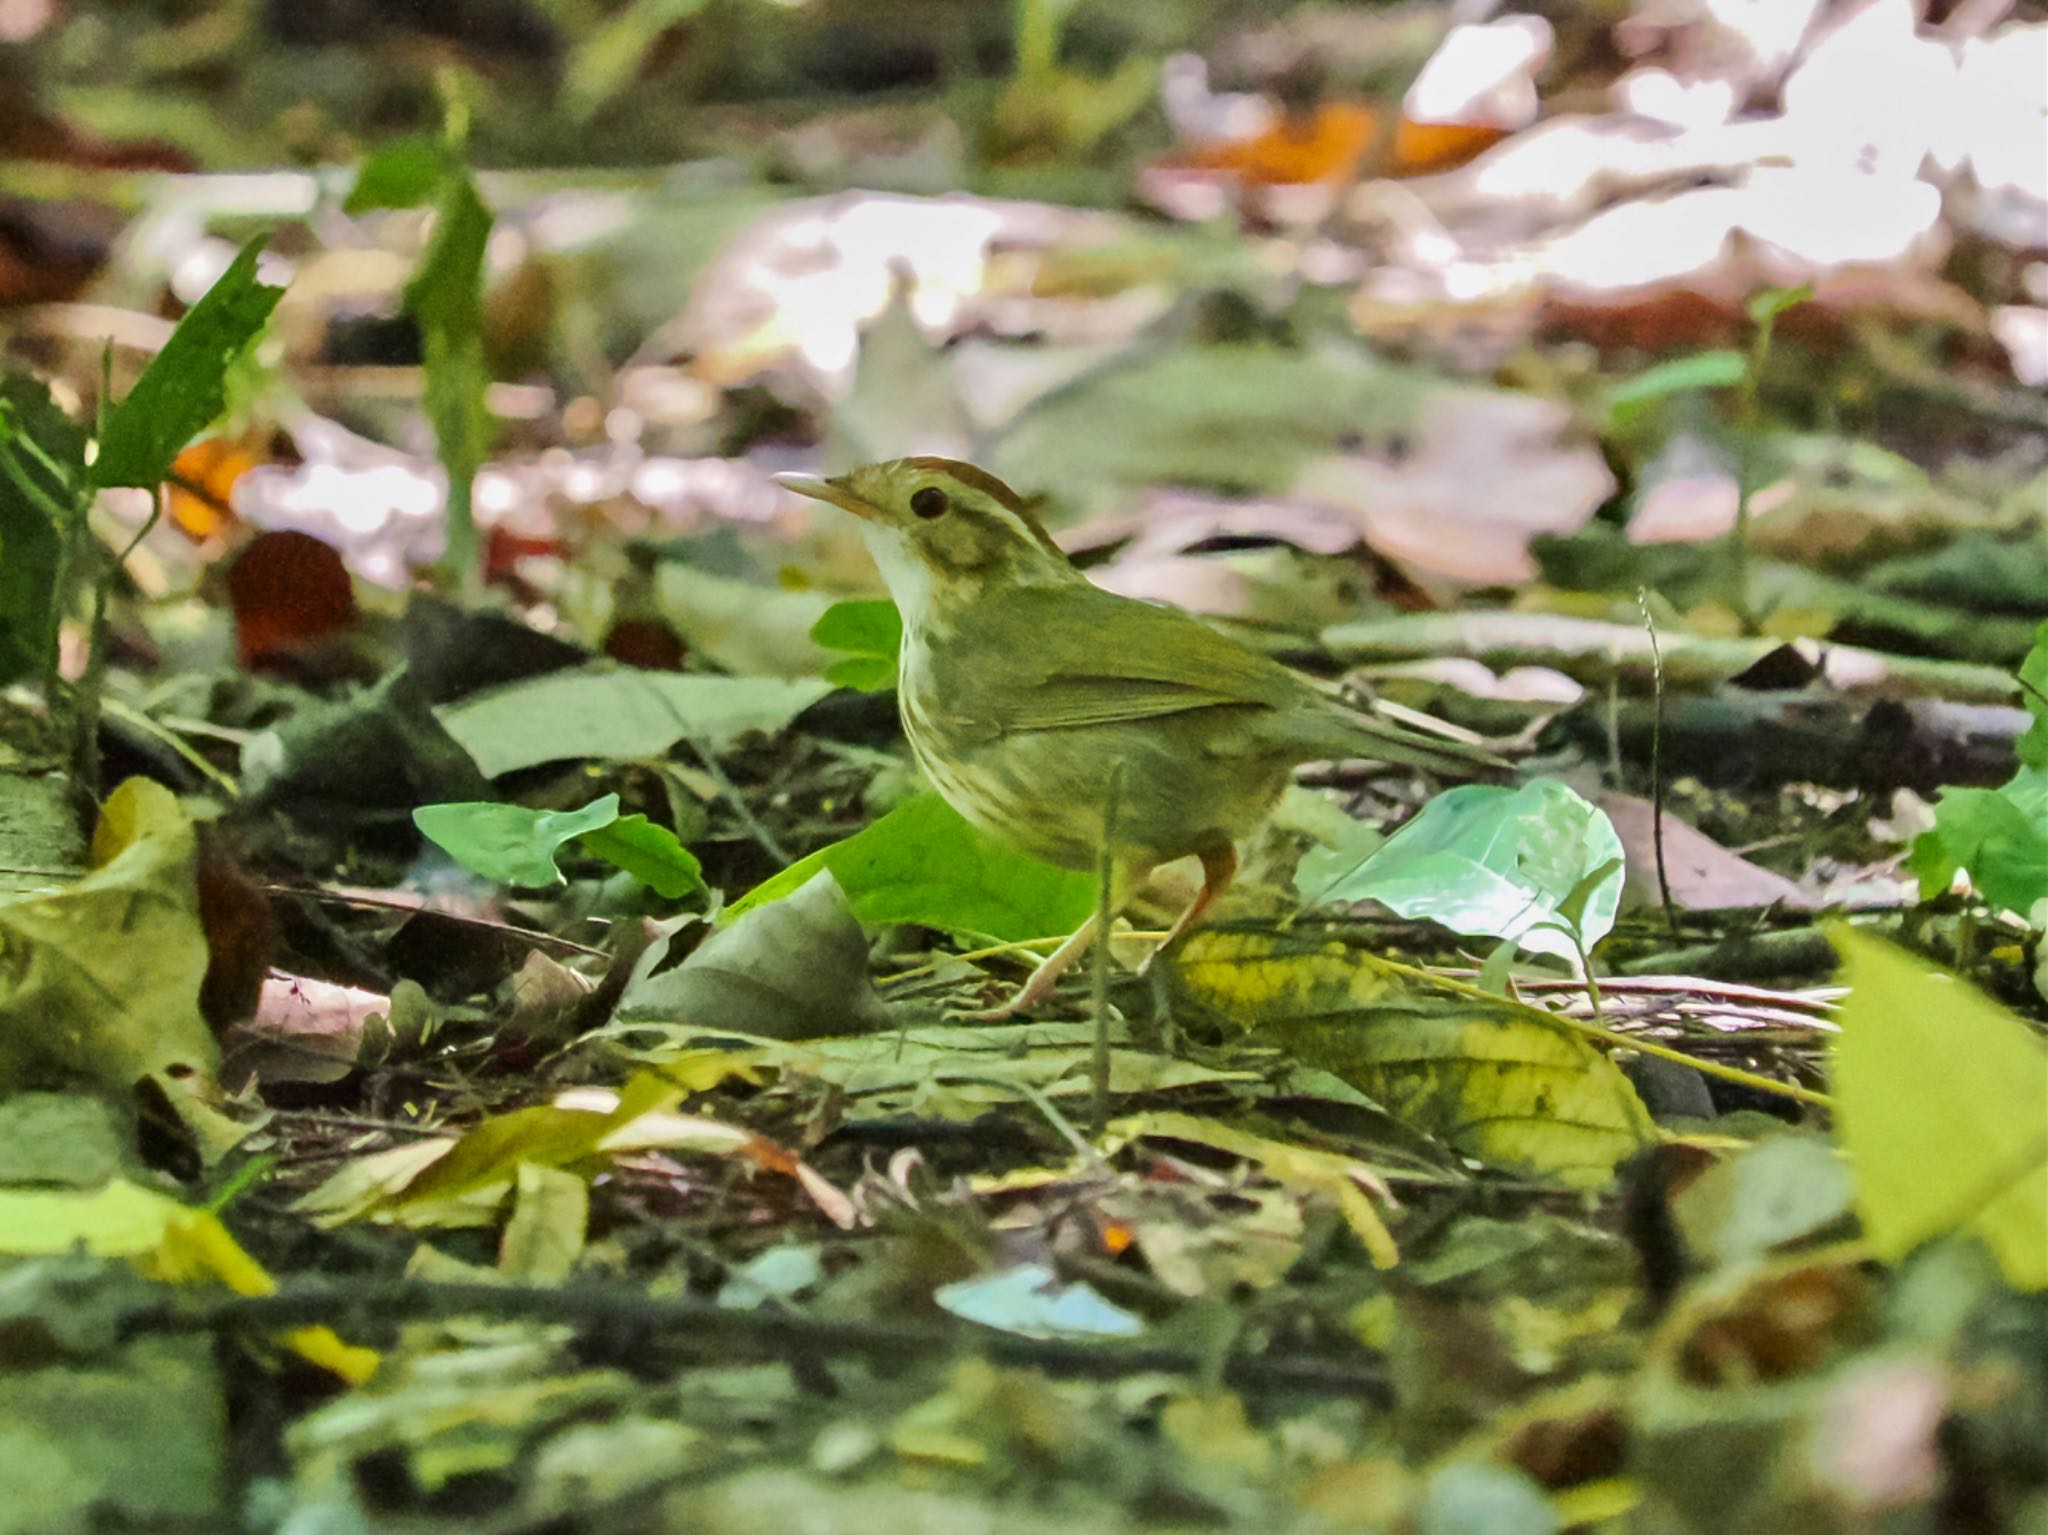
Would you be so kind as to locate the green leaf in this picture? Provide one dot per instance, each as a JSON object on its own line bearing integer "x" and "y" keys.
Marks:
{"x": 446, "y": 293}
{"x": 2033, "y": 746}
{"x": 1999, "y": 836}
{"x": 510, "y": 843}
{"x": 610, "y": 53}
{"x": 795, "y": 969}
{"x": 1496, "y": 862}
{"x": 1782, "y": 1189}
{"x": 1681, "y": 375}
{"x": 872, "y": 633}
{"x": 1938, "y": 1105}
{"x": 43, "y": 493}
{"x": 1766, "y": 306}
{"x": 1571, "y": 911}
{"x": 615, "y": 714}
{"x": 650, "y": 853}
{"x": 184, "y": 388}
{"x": 922, "y": 863}
{"x": 406, "y": 173}
{"x": 446, "y": 298}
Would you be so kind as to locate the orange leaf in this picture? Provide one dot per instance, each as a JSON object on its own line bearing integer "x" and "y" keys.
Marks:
{"x": 1420, "y": 148}
{"x": 1325, "y": 145}
{"x": 202, "y": 479}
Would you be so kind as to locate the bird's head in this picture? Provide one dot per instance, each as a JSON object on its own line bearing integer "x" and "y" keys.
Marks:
{"x": 943, "y": 532}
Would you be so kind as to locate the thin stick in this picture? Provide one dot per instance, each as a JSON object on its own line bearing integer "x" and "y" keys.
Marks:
{"x": 726, "y": 787}
{"x": 421, "y": 909}
{"x": 1657, "y": 764}
{"x": 1736, "y": 1074}
{"x": 136, "y": 719}
{"x": 1105, "y": 913}
{"x": 707, "y": 1332}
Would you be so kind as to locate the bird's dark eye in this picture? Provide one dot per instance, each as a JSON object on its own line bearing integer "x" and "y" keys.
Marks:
{"x": 929, "y": 503}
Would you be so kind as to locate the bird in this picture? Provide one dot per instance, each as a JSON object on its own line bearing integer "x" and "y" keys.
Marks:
{"x": 1029, "y": 695}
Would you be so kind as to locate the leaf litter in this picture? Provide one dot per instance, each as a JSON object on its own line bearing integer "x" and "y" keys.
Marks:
{"x": 1495, "y": 1160}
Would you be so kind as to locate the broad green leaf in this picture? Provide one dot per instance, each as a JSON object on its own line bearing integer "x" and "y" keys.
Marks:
{"x": 738, "y": 626}
{"x": 1702, "y": 370}
{"x": 1499, "y": 1081}
{"x": 1941, "y": 1105}
{"x": 614, "y": 714}
{"x": 1999, "y": 836}
{"x": 922, "y": 863}
{"x": 650, "y": 853}
{"x": 871, "y": 632}
{"x": 43, "y": 493}
{"x": 1340, "y": 843}
{"x": 793, "y": 969}
{"x": 1779, "y": 1190}
{"x": 2033, "y": 746}
{"x": 184, "y": 388}
{"x": 511, "y": 843}
{"x": 1496, "y": 862}
{"x": 406, "y": 173}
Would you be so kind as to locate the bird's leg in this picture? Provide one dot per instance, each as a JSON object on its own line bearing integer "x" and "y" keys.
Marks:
{"x": 1034, "y": 991}
{"x": 1219, "y": 866}
{"x": 1123, "y": 884}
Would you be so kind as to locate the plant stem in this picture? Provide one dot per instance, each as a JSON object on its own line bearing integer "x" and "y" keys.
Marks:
{"x": 1105, "y": 913}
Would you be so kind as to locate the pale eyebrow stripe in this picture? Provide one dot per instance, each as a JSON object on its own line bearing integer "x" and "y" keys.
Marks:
{"x": 1034, "y": 530}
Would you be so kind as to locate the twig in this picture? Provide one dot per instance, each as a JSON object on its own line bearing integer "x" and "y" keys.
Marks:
{"x": 420, "y": 908}
{"x": 157, "y": 730}
{"x": 715, "y": 1334}
{"x": 726, "y": 787}
{"x": 1105, "y": 877}
{"x": 1657, "y": 764}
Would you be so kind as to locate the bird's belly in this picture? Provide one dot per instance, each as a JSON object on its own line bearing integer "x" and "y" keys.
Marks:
{"x": 1046, "y": 792}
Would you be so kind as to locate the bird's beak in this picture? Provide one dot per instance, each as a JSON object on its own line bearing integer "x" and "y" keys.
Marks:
{"x": 833, "y": 490}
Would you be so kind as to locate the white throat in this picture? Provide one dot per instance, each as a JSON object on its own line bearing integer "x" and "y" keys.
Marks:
{"x": 908, "y": 578}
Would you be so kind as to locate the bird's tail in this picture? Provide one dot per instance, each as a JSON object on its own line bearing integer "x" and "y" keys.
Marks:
{"x": 1428, "y": 743}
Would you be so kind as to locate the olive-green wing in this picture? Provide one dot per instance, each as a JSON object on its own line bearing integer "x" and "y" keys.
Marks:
{"x": 1061, "y": 657}
{"x": 1057, "y": 658}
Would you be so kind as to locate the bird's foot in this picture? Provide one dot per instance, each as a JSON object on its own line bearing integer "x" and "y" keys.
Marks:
{"x": 1028, "y": 998}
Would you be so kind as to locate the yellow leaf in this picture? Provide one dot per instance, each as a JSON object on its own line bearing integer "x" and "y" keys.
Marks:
{"x": 166, "y": 1241}
{"x": 544, "y": 1237}
{"x": 1941, "y": 1102}
{"x": 102, "y": 976}
{"x": 1496, "y": 1080}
